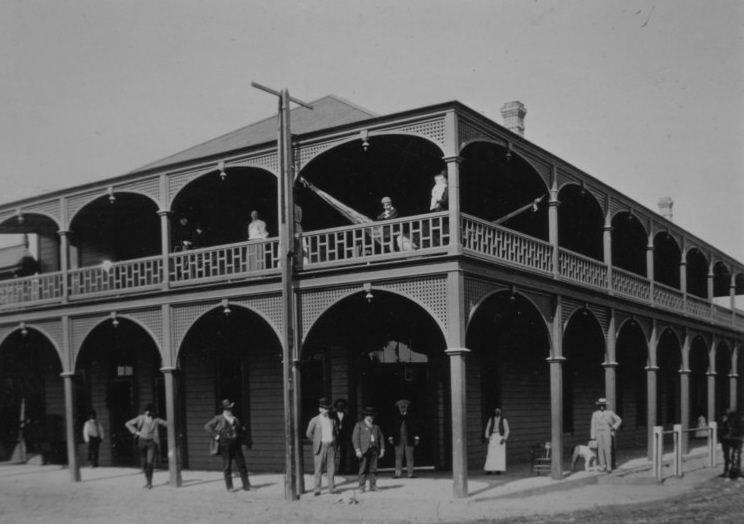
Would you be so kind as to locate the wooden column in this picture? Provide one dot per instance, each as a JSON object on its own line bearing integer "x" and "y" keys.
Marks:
{"x": 555, "y": 361}
{"x": 652, "y": 371}
{"x": 459, "y": 423}
{"x": 553, "y": 204}
{"x": 610, "y": 363}
{"x": 684, "y": 391}
{"x": 165, "y": 245}
{"x": 72, "y": 458}
{"x": 174, "y": 451}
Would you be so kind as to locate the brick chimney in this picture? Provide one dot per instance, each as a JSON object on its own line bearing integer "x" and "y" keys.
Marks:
{"x": 513, "y": 114}
{"x": 665, "y": 207}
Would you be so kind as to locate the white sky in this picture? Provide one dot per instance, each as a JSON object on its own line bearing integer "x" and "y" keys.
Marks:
{"x": 647, "y": 96}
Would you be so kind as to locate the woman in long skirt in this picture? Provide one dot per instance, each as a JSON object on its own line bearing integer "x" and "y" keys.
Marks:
{"x": 497, "y": 433}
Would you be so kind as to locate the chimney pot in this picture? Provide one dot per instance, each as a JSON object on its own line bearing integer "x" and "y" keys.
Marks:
{"x": 513, "y": 114}
{"x": 665, "y": 207}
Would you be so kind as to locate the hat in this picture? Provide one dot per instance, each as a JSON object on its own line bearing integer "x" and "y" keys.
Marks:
{"x": 369, "y": 411}
{"x": 227, "y": 404}
{"x": 324, "y": 403}
{"x": 601, "y": 401}
{"x": 386, "y": 199}
{"x": 403, "y": 403}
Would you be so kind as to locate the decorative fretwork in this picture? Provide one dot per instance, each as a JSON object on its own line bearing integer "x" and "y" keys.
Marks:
{"x": 303, "y": 154}
{"x": 568, "y": 307}
{"x": 51, "y": 328}
{"x": 184, "y": 316}
{"x": 429, "y": 292}
{"x": 667, "y": 297}
{"x": 697, "y": 307}
{"x": 432, "y": 129}
{"x": 389, "y": 239}
{"x": 177, "y": 181}
{"x": 469, "y": 131}
{"x": 37, "y": 290}
{"x": 506, "y": 245}
{"x": 631, "y": 285}
{"x": 476, "y": 290}
{"x": 76, "y": 202}
{"x": 270, "y": 307}
{"x": 150, "y": 318}
{"x": 268, "y": 161}
{"x": 233, "y": 260}
{"x": 585, "y": 270}
{"x": 131, "y": 275}
{"x": 80, "y": 327}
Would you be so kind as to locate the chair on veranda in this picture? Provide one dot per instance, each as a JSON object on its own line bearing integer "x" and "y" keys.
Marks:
{"x": 541, "y": 458}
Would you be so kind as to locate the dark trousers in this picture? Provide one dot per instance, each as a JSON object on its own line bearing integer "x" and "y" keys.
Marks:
{"x": 342, "y": 456}
{"x": 147, "y": 449}
{"x": 230, "y": 450}
{"x": 731, "y": 457}
{"x": 93, "y": 444}
{"x": 368, "y": 468}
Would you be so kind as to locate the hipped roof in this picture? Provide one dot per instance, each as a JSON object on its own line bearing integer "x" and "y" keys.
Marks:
{"x": 329, "y": 111}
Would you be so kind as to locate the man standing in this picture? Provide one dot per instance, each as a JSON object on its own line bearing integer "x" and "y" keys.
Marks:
{"x": 323, "y": 431}
{"x": 93, "y": 436}
{"x": 345, "y": 426}
{"x": 404, "y": 437}
{"x": 226, "y": 429}
{"x": 603, "y": 426}
{"x": 369, "y": 445}
{"x": 145, "y": 428}
{"x": 257, "y": 228}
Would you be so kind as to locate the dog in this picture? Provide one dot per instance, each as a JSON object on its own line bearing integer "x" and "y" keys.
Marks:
{"x": 581, "y": 451}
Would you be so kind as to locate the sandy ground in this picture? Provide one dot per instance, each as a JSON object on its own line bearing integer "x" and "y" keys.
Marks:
{"x": 43, "y": 494}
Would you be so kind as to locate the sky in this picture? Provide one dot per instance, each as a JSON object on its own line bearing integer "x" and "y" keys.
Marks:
{"x": 646, "y": 96}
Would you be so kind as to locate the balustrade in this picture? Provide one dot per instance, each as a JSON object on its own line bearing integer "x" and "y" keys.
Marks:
{"x": 631, "y": 285}
{"x": 698, "y": 307}
{"x": 582, "y": 269}
{"x": 37, "y": 289}
{"x": 668, "y": 297}
{"x": 128, "y": 275}
{"x": 227, "y": 261}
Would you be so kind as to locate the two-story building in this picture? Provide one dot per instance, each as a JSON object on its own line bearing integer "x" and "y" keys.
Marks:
{"x": 538, "y": 288}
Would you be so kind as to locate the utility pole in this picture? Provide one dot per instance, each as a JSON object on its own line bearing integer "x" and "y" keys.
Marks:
{"x": 286, "y": 258}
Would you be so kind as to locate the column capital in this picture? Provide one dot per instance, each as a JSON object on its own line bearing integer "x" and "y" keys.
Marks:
{"x": 456, "y": 352}
{"x": 685, "y": 371}
{"x": 555, "y": 360}
{"x": 63, "y": 232}
{"x": 169, "y": 369}
{"x": 164, "y": 212}
{"x": 651, "y": 368}
{"x": 610, "y": 364}
{"x": 449, "y": 159}
{"x": 67, "y": 374}
{"x": 711, "y": 373}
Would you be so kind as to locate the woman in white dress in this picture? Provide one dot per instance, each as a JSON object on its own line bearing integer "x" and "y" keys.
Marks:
{"x": 497, "y": 433}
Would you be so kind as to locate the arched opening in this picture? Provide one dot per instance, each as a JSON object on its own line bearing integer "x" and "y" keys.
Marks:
{"x": 722, "y": 284}
{"x": 126, "y": 227}
{"x": 117, "y": 373}
{"x": 669, "y": 359}
{"x": 629, "y": 243}
{"x": 494, "y": 184}
{"x": 583, "y": 374}
{"x": 580, "y": 222}
{"x": 508, "y": 369}
{"x": 697, "y": 273}
{"x": 723, "y": 370}
{"x": 232, "y": 353}
{"x": 31, "y": 245}
{"x": 31, "y": 397}
{"x": 667, "y": 256}
{"x": 397, "y": 166}
{"x": 632, "y": 399}
{"x": 373, "y": 350}
{"x": 223, "y": 217}
{"x": 698, "y": 380}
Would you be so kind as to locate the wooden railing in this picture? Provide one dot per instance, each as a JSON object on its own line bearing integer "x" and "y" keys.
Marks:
{"x": 398, "y": 238}
{"x": 221, "y": 262}
{"x": 583, "y": 269}
{"x": 631, "y": 285}
{"x": 668, "y": 297}
{"x": 119, "y": 277}
{"x": 36, "y": 289}
{"x": 485, "y": 238}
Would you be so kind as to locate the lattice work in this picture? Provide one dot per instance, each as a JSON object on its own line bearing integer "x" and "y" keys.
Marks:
{"x": 569, "y": 307}
{"x": 184, "y": 317}
{"x": 5, "y": 331}
{"x": 50, "y": 208}
{"x": 476, "y": 290}
{"x": 616, "y": 206}
{"x": 76, "y": 202}
{"x": 304, "y": 154}
{"x": 315, "y": 302}
{"x": 178, "y": 181}
{"x": 543, "y": 168}
{"x": 152, "y": 319}
{"x": 563, "y": 178}
{"x": 433, "y": 129}
{"x": 602, "y": 315}
{"x": 269, "y": 307}
{"x": 431, "y": 292}
{"x": 7, "y": 216}
{"x": 149, "y": 187}
{"x": 469, "y": 132}
{"x": 269, "y": 162}
{"x": 80, "y": 328}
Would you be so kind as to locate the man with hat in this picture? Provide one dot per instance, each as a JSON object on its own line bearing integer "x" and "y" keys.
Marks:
{"x": 323, "y": 431}
{"x": 145, "y": 428}
{"x": 225, "y": 428}
{"x": 404, "y": 437}
{"x": 604, "y": 424}
{"x": 369, "y": 445}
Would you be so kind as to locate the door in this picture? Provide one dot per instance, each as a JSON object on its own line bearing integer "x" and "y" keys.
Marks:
{"x": 121, "y": 409}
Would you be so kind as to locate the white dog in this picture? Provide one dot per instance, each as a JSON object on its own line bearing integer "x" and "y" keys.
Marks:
{"x": 586, "y": 453}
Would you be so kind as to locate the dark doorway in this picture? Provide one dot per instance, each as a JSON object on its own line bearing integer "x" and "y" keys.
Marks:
{"x": 121, "y": 409}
